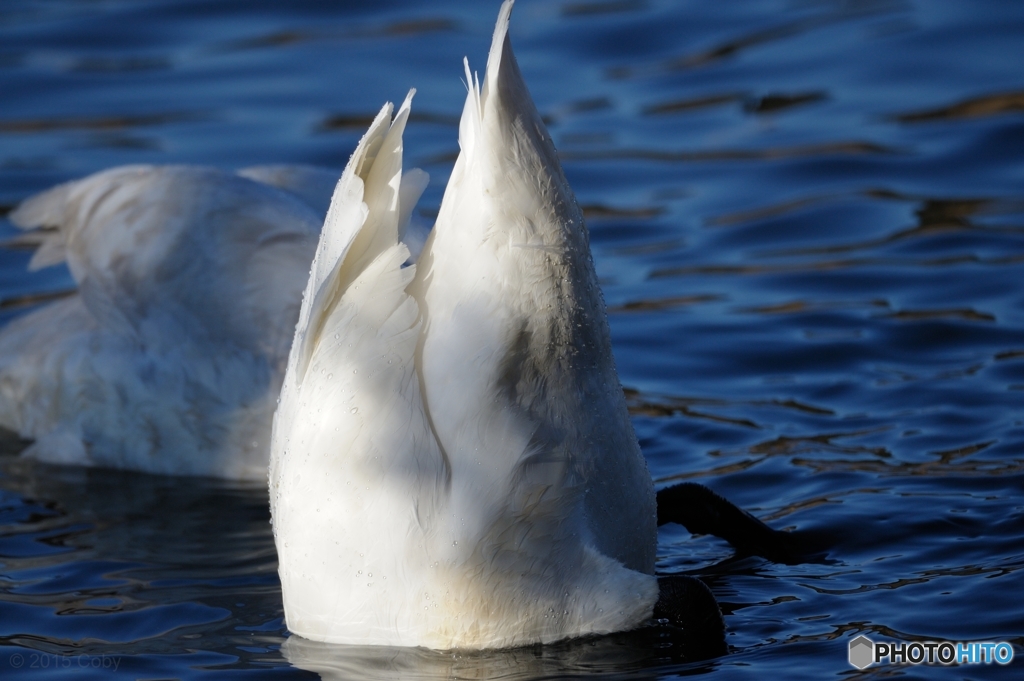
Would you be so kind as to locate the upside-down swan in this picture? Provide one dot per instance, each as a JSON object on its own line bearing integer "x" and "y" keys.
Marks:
{"x": 452, "y": 461}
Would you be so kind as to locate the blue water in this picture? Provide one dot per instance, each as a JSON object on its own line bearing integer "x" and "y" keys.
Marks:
{"x": 808, "y": 219}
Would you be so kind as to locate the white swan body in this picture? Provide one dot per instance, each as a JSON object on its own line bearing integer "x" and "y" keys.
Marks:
{"x": 170, "y": 356}
{"x": 452, "y": 464}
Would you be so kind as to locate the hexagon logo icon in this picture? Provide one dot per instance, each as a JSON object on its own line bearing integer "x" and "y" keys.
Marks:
{"x": 862, "y": 652}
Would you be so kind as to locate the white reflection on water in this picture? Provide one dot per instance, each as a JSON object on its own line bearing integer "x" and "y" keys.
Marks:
{"x": 638, "y": 656}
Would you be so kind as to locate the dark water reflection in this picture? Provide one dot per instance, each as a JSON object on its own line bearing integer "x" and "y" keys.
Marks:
{"x": 808, "y": 220}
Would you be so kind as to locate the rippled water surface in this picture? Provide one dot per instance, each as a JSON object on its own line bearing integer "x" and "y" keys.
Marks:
{"x": 808, "y": 218}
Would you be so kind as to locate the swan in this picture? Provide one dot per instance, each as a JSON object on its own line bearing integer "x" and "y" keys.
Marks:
{"x": 452, "y": 461}
{"x": 169, "y": 357}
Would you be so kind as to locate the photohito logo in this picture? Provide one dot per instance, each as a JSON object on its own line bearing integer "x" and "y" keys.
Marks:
{"x": 864, "y": 652}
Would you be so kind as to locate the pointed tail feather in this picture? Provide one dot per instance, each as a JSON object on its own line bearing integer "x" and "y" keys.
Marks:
{"x": 499, "y": 47}
{"x": 362, "y": 222}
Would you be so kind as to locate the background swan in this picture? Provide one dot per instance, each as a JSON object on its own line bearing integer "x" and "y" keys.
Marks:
{"x": 170, "y": 356}
{"x": 452, "y": 463}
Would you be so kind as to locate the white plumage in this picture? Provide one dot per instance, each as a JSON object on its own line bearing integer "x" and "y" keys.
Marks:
{"x": 452, "y": 463}
{"x": 170, "y": 356}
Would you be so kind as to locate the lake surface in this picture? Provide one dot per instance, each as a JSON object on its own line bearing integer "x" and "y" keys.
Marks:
{"x": 808, "y": 219}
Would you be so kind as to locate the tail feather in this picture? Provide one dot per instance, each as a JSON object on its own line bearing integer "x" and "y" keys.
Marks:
{"x": 381, "y": 196}
{"x": 472, "y": 114}
{"x": 362, "y": 222}
{"x": 499, "y": 47}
